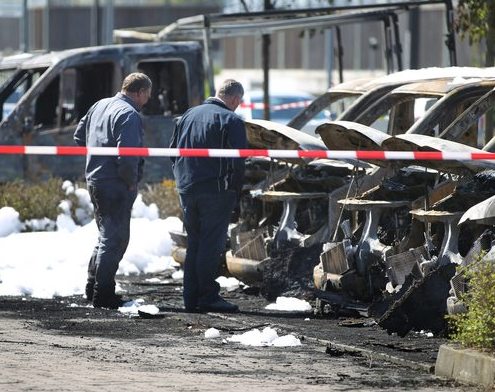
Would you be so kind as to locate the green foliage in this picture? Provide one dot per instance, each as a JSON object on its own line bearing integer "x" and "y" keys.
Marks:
{"x": 472, "y": 18}
{"x": 165, "y": 196}
{"x": 476, "y": 328}
{"x": 33, "y": 201}
{"x": 41, "y": 200}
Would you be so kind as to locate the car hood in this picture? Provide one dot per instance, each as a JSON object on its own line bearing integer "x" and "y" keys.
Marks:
{"x": 265, "y": 134}
{"x": 482, "y": 213}
{"x": 348, "y": 135}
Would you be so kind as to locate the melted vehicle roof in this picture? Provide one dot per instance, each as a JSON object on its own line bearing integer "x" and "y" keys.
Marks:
{"x": 51, "y": 58}
{"x": 413, "y": 75}
{"x": 15, "y": 60}
{"x": 348, "y": 135}
{"x": 283, "y": 137}
{"x": 439, "y": 87}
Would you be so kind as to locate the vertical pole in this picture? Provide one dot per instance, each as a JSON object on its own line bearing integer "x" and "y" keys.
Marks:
{"x": 109, "y": 20}
{"x": 207, "y": 54}
{"x": 24, "y": 28}
{"x": 46, "y": 26}
{"x": 95, "y": 24}
{"x": 266, "y": 68}
{"x": 388, "y": 45}
{"x": 305, "y": 50}
{"x": 329, "y": 56}
{"x": 450, "y": 41}
{"x": 281, "y": 50}
{"x": 398, "y": 45}
{"x": 414, "y": 28}
{"x": 340, "y": 54}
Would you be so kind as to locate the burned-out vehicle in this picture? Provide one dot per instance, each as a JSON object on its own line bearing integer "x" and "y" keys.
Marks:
{"x": 286, "y": 203}
{"x": 348, "y": 101}
{"x": 427, "y": 108}
{"x": 52, "y": 91}
{"x": 401, "y": 244}
{"x": 383, "y": 232}
{"x": 380, "y": 231}
{"x": 480, "y": 219}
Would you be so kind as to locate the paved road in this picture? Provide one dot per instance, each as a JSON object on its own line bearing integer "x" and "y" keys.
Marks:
{"x": 48, "y": 345}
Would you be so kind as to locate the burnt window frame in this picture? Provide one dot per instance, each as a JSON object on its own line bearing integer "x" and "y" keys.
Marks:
{"x": 154, "y": 92}
{"x": 58, "y": 125}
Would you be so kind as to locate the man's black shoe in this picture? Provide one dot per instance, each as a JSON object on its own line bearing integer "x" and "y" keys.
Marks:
{"x": 220, "y": 306}
{"x": 110, "y": 302}
{"x": 192, "y": 309}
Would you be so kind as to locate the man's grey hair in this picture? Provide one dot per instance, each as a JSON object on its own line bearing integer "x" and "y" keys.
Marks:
{"x": 231, "y": 88}
{"x": 135, "y": 82}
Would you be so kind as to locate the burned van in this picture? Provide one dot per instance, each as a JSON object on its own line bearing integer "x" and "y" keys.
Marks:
{"x": 50, "y": 93}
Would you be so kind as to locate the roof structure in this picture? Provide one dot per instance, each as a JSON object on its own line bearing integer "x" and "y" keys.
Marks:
{"x": 208, "y": 27}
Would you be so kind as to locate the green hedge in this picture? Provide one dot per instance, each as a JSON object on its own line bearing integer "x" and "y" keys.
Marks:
{"x": 40, "y": 200}
{"x": 476, "y": 328}
{"x": 165, "y": 196}
{"x": 33, "y": 201}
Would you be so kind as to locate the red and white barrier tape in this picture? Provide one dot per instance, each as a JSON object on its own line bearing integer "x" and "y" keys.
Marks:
{"x": 245, "y": 153}
{"x": 282, "y": 106}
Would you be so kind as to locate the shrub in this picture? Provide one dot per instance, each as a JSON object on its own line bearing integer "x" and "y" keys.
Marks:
{"x": 476, "y": 328}
{"x": 33, "y": 201}
{"x": 165, "y": 196}
{"x": 42, "y": 200}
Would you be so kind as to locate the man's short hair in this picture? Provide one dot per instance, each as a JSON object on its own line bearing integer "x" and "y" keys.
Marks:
{"x": 231, "y": 88}
{"x": 136, "y": 81}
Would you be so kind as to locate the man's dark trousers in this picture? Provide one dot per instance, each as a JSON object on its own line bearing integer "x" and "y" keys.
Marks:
{"x": 206, "y": 219}
{"x": 112, "y": 201}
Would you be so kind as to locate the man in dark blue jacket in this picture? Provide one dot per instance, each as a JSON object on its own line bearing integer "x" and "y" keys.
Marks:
{"x": 209, "y": 188}
{"x": 112, "y": 181}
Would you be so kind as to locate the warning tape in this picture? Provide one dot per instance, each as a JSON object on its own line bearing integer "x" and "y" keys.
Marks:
{"x": 246, "y": 153}
{"x": 282, "y": 106}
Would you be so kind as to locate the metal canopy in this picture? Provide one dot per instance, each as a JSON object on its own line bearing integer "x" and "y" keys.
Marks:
{"x": 192, "y": 28}
{"x": 216, "y": 26}
{"x": 209, "y": 27}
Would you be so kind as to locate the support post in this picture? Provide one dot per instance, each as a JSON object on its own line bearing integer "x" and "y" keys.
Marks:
{"x": 414, "y": 28}
{"x": 46, "y": 26}
{"x": 388, "y": 46}
{"x": 450, "y": 40}
{"x": 207, "y": 56}
{"x": 24, "y": 28}
{"x": 266, "y": 68}
{"x": 340, "y": 54}
{"x": 108, "y": 27}
{"x": 95, "y": 24}
{"x": 398, "y": 45}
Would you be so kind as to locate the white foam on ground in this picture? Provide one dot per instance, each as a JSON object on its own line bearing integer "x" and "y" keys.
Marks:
{"x": 212, "y": 333}
{"x": 267, "y": 337}
{"x": 288, "y": 304}
{"x": 230, "y": 284}
{"x": 48, "y": 264}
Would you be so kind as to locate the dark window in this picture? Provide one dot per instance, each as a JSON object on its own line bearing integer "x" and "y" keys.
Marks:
{"x": 15, "y": 87}
{"x": 169, "y": 95}
{"x": 69, "y": 96}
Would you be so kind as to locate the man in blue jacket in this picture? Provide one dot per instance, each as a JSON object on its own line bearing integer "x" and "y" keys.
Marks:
{"x": 112, "y": 181}
{"x": 209, "y": 188}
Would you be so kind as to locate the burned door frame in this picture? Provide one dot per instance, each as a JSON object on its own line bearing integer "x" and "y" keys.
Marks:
{"x": 473, "y": 114}
{"x": 164, "y": 122}
{"x": 56, "y": 133}
{"x": 464, "y": 96}
{"x": 184, "y": 106}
